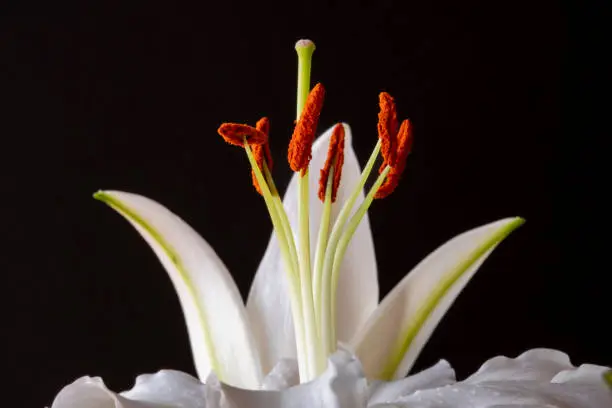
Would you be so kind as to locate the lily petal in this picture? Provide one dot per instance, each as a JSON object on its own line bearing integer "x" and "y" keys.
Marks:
{"x": 220, "y": 336}
{"x": 169, "y": 388}
{"x": 399, "y": 328}
{"x": 285, "y": 374}
{"x": 436, "y": 376}
{"x": 532, "y": 365}
{"x": 342, "y": 385}
{"x": 507, "y": 394}
{"x": 268, "y": 305}
{"x": 534, "y": 379}
{"x": 166, "y": 389}
{"x": 586, "y": 373}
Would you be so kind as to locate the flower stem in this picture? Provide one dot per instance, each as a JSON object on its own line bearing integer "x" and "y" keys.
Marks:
{"x": 326, "y": 310}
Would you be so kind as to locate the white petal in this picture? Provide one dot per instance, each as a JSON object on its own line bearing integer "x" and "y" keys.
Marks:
{"x": 437, "y": 376}
{"x": 87, "y": 392}
{"x": 342, "y": 385}
{"x": 166, "y": 389}
{"x": 513, "y": 394}
{"x": 533, "y": 365}
{"x": 169, "y": 388}
{"x": 536, "y": 378}
{"x": 211, "y": 303}
{"x": 384, "y": 346}
{"x": 268, "y": 304}
{"x": 586, "y": 373}
{"x": 285, "y": 374}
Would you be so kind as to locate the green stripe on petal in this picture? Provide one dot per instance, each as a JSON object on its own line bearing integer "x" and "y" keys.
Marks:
{"x": 396, "y": 333}
{"x": 607, "y": 376}
{"x": 220, "y": 337}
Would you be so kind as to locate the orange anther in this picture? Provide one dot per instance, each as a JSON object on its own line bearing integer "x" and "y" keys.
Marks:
{"x": 300, "y": 147}
{"x": 387, "y": 128}
{"x": 335, "y": 157}
{"x": 262, "y": 152}
{"x": 234, "y": 133}
{"x": 404, "y": 147}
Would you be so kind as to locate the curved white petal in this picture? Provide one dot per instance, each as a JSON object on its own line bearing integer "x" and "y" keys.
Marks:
{"x": 166, "y": 389}
{"x": 342, "y": 385}
{"x": 268, "y": 305}
{"x": 285, "y": 374}
{"x": 586, "y": 373}
{"x": 537, "y": 378}
{"x": 215, "y": 316}
{"x": 169, "y": 388}
{"x": 399, "y": 328}
{"x": 88, "y": 392}
{"x": 439, "y": 375}
{"x": 510, "y": 394}
{"x": 532, "y": 365}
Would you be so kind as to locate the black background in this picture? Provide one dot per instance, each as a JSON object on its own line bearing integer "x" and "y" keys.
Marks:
{"x": 502, "y": 97}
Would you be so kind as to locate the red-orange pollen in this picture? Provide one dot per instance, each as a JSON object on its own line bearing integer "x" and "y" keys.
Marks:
{"x": 300, "y": 147}
{"x": 234, "y": 133}
{"x": 404, "y": 147}
{"x": 387, "y": 128}
{"x": 262, "y": 152}
{"x": 335, "y": 157}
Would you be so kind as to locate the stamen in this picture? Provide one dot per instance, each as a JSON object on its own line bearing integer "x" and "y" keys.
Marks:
{"x": 284, "y": 235}
{"x": 326, "y": 320}
{"x": 335, "y": 157}
{"x": 387, "y": 129}
{"x": 300, "y": 147}
{"x": 262, "y": 152}
{"x": 235, "y": 133}
{"x": 404, "y": 147}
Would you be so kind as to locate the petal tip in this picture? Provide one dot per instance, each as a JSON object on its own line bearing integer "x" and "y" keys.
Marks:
{"x": 516, "y": 222}
{"x": 99, "y": 195}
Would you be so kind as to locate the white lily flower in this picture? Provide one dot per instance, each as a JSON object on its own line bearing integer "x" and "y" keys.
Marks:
{"x": 281, "y": 350}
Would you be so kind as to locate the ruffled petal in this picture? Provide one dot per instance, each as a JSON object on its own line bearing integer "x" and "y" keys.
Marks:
{"x": 536, "y": 378}
{"x": 166, "y": 389}
{"x": 513, "y": 394}
{"x": 285, "y": 374}
{"x": 342, "y": 385}
{"x": 439, "y": 375}
{"x": 532, "y": 365}
{"x": 216, "y": 320}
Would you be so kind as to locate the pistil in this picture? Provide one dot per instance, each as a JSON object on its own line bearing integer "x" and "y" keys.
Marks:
{"x": 309, "y": 104}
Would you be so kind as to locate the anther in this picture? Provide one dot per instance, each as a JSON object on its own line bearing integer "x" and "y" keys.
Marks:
{"x": 300, "y": 147}
{"x": 387, "y": 128}
{"x": 335, "y": 157}
{"x": 404, "y": 147}
{"x": 234, "y": 133}
{"x": 262, "y": 152}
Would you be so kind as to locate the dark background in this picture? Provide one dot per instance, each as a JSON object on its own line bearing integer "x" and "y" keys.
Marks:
{"x": 502, "y": 98}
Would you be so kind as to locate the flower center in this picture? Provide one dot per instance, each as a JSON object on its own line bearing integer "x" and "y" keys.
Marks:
{"x": 313, "y": 288}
